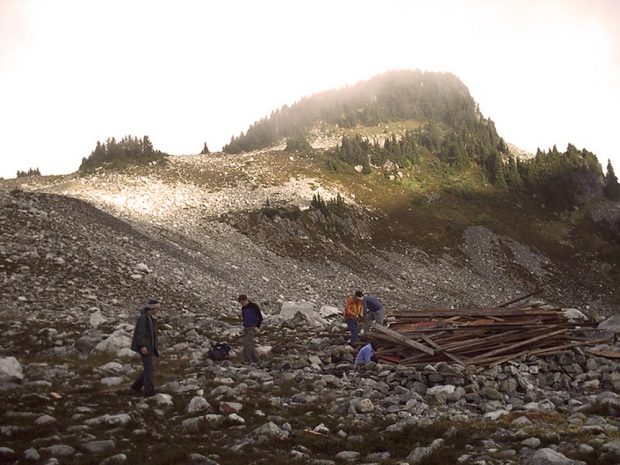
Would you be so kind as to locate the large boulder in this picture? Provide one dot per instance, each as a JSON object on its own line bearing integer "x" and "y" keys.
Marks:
{"x": 118, "y": 340}
{"x": 611, "y": 324}
{"x": 10, "y": 369}
{"x": 550, "y": 457}
{"x": 305, "y": 310}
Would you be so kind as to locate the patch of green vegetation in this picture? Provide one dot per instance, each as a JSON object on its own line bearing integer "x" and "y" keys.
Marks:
{"x": 118, "y": 155}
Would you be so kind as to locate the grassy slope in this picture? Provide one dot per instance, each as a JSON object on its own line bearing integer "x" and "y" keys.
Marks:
{"x": 430, "y": 207}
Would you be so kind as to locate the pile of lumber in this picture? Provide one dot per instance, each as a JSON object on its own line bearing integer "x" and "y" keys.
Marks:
{"x": 479, "y": 336}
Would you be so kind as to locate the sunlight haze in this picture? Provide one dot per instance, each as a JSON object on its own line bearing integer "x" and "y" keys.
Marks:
{"x": 188, "y": 72}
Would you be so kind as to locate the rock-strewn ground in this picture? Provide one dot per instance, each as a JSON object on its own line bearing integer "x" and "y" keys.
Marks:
{"x": 74, "y": 273}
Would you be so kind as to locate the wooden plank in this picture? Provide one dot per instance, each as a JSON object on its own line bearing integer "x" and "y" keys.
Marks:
{"x": 605, "y": 353}
{"x": 448, "y": 354}
{"x": 389, "y": 358}
{"x": 399, "y": 337}
{"x": 537, "y": 291}
{"x": 568, "y": 345}
{"x": 451, "y": 312}
{"x": 519, "y": 344}
{"x": 482, "y": 341}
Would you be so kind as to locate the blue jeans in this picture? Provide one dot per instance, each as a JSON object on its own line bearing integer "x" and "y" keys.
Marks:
{"x": 352, "y": 325}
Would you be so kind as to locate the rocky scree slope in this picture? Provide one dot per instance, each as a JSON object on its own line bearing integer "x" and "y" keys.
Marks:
{"x": 213, "y": 209}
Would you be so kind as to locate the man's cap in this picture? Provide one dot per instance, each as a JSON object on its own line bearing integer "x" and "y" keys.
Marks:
{"x": 242, "y": 298}
{"x": 152, "y": 304}
{"x": 359, "y": 293}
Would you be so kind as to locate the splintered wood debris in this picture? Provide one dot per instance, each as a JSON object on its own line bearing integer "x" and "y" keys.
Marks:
{"x": 480, "y": 336}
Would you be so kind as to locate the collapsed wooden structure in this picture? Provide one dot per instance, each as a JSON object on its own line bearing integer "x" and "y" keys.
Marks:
{"x": 480, "y": 336}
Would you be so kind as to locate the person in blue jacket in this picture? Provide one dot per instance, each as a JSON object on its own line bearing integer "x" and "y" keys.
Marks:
{"x": 365, "y": 354}
{"x": 252, "y": 319}
{"x": 373, "y": 309}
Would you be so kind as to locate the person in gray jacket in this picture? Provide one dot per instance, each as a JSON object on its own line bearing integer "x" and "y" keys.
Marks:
{"x": 144, "y": 342}
{"x": 373, "y": 309}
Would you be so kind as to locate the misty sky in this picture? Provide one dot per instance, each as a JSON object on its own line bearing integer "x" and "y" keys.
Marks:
{"x": 187, "y": 72}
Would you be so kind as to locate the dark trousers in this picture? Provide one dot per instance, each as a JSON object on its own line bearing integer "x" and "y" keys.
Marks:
{"x": 146, "y": 377}
{"x": 249, "y": 346}
{"x": 352, "y": 325}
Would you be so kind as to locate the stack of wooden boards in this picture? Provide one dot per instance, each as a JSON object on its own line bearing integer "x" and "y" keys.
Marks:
{"x": 480, "y": 336}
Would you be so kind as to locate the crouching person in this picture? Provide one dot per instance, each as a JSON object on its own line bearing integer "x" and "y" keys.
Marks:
{"x": 366, "y": 354}
{"x": 144, "y": 342}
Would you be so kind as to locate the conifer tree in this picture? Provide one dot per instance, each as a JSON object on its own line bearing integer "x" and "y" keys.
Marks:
{"x": 205, "y": 150}
{"x": 611, "y": 188}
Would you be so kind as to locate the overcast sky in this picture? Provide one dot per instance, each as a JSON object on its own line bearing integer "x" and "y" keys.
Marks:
{"x": 187, "y": 72}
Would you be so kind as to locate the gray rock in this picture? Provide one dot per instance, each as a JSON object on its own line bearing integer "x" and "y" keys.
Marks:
{"x": 495, "y": 414}
{"x": 198, "y": 404}
{"x": 192, "y": 425}
{"x": 236, "y": 419}
{"x": 32, "y": 454}
{"x": 550, "y": 457}
{"x": 112, "y": 381}
{"x": 197, "y": 459}
{"x": 10, "y": 369}
{"x": 111, "y": 367}
{"x": 365, "y": 406}
{"x": 490, "y": 392}
{"x": 98, "y": 447}
{"x": 230, "y": 407}
{"x": 521, "y": 421}
{"x": 420, "y": 453}
{"x": 162, "y": 400}
{"x": 378, "y": 456}
{"x": 222, "y": 391}
{"x": 270, "y": 430}
{"x": 213, "y": 419}
{"x": 585, "y": 448}
{"x": 110, "y": 420}
{"x": 45, "y": 420}
{"x": 611, "y": 324}
{"x": 59, "y": 450}
{"x": 118, "y": 340}
{"x": 86, "y": 344}
{"x": 7, "y": 454}
{"x": 532, "y": 443}
{"x": 96, "y": 318}
{"x": 348, "y": 455}
{"x": 611, "y": 406}
{"x": 118, "y": 459}
{"x": 612, "y": 447}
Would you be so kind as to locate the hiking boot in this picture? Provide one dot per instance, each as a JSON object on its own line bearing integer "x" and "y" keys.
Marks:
{"x": 132, "y": 391}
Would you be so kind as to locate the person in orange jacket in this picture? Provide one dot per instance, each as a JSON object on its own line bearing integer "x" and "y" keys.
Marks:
{"x": 353, "y": 309}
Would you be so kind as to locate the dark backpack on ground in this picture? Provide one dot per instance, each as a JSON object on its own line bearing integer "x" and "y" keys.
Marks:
{"x": 219, "y": 351}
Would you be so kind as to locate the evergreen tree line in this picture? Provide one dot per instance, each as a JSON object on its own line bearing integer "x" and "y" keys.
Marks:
{"x": 458, "y": 148}
{"x": 335, "y": 206}
{"x": 129, "y": 150}
{"x": 298, "y": 143}
{"x": 30, "y": 172}
{"x": 612, "y": 188}
{"x": 393, "y": 96}
{"x": 559, "y": 179}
